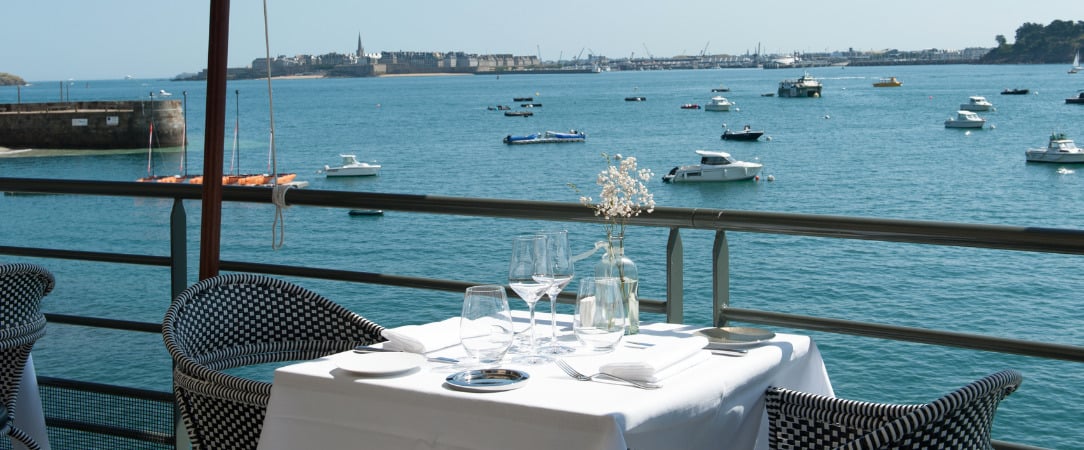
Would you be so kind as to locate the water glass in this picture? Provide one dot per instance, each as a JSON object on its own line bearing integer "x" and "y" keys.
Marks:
{"x": 485, "y": 325}
{"x": 599, "y": 320}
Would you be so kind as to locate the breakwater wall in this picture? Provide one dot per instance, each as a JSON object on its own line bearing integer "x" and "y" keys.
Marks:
{"x": 92, "y": 125}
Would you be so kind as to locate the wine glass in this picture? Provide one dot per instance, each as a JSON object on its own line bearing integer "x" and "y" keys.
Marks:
{"x": 485, "y": 325}
{"x": 599, "y": 321}
{"x": 528, "y": 272}
{"x": 559, "y": 256}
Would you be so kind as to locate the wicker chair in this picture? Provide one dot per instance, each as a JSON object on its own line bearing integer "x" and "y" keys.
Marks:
{"x": 959, "y": 420}
{"x": 239, "y": 320}
{"x": 22, "y": 286}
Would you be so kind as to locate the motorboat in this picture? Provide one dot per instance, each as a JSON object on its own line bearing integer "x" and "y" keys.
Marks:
{"x": 549, "y": 137}
{"x": 351, "y": 167}
{"x": 690, "y": 106}
{"x": 965, "y": 119}
{"x": 1008, "y": 91}
{"x": 635, "y": 99}
{"x": 804, "y": 86}
{"x": 1060, "y": 149}
{"x": 746, "y": 134}
{"x": 976, "y": 103}
{"x": 721, "y": 88}
{"x": 888, "y": 82}
{"x": 718, "y": 103}
{"x": 1078, "y": 100}
{"x": 518, "y": 113}
{"x": 365, "y": 212}
{"x": 714, "y": 166}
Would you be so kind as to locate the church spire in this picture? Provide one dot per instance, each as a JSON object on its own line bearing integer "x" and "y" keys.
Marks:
{"x": 361, "y": 50}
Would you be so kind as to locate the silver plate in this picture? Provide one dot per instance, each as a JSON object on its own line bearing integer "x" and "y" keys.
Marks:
{"x": 723, "y": 337}
{"x": 487, "y": 380}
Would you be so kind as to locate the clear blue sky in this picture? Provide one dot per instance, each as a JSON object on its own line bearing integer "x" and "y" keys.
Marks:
{"x": 43, "y": 40}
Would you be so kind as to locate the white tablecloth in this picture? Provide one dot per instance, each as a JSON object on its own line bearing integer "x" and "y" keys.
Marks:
{"x": 716, "y": 404}
{"x": 28, "y": 414}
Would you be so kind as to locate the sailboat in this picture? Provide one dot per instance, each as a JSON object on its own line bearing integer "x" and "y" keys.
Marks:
{"x": 151, "y": 177}
{"x": 1076, "y": 63}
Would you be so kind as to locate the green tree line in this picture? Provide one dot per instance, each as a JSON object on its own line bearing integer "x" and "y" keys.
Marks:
{"x": 1037, "y": 44}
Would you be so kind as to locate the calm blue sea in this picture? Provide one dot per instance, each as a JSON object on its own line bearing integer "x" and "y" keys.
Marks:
{"x": 857, "y": 151}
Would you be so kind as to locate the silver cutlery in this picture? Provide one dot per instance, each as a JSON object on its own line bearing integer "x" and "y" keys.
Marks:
{"x": 583, "y": 377}
{"x": 729, "y": 351}
{"x": 368, "y": 349}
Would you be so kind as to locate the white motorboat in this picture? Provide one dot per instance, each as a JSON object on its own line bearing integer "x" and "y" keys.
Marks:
{"x": 977, "y": 103}
{"x": 1060, "y": 149}
{"x": 714, "y": 166}
{"x": 965, "y": 119}
{"x": 351, "y": 167}
{"x": 718, "y": 103}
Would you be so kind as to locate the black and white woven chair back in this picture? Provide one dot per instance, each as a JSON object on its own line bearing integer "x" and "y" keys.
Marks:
{"x": 22, "y": 286}
{"x": 240, "y": 320}
{"x": 960, "y": 420}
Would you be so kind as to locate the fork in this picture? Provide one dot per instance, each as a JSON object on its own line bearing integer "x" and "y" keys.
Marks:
{"x": 582, "y": 377}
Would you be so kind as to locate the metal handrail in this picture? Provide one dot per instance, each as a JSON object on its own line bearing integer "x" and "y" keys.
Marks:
{"x": 1037, "y": 239}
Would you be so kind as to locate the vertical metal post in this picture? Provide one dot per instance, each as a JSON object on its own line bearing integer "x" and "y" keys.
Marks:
{"x": 675, "y": 271}
{"x": 720, "y": 278}
{"x": 178, "y": 248}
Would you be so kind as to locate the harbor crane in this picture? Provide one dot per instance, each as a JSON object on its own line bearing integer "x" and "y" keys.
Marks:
{"x": 649, "y": 55}
{"x": 705, "y": 50}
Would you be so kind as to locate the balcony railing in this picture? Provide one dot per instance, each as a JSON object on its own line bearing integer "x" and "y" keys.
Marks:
{"x": 672, "y": 306}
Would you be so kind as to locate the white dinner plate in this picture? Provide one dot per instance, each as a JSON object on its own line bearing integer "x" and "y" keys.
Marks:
{"x": 379, "y": 363}
{"x": 731, "y": 337}
{"x": 487, "y": 380}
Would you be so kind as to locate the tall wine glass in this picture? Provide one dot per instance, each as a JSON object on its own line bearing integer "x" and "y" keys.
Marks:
{"x": 528, "y": 272}
{"x": 559, "y": 256}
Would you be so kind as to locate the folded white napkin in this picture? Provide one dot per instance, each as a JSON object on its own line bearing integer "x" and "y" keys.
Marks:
{"x": 423, "y": 338}
{"x": 660, "y": 361}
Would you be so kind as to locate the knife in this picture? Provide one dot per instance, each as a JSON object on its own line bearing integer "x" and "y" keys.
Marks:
{"x": 370, "y": 349}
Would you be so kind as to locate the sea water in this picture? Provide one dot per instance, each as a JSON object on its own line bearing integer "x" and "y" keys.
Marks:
{"x": 856, "y": 151}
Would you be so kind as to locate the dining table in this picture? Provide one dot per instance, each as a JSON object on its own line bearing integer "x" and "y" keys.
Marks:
{"x": 715, "y": 402}
{"x": 28, "y": 410}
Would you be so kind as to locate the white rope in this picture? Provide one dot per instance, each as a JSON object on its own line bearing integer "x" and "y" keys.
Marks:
{"x": 278, "y": 197}
{"x": 278, "y": 191}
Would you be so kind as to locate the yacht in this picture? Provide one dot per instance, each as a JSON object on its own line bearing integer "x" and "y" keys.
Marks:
{"x": 976, "y": 103}
{"x": 1060, "y": 149}
{"x": 351, "y": 167}
{"x": 804, "y": 86}
{"x": 714, "y": 166}
{"x": 965, "y": 119}
{"x": 718, "y": 103}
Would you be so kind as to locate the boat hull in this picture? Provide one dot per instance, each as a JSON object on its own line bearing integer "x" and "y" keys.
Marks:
{"x": 701, "y": 174}
{"x": 93, "y": 125}
{"x": 352, "y": 171}
{"x": 1044, "y": 156}
{"x": 742, "y": 135}
{"x": 963, "y": 124}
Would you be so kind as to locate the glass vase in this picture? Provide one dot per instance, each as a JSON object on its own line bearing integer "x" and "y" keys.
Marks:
{"x": 615, "y": 264}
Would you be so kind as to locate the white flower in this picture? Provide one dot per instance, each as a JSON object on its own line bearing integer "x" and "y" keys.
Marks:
{"x": 623, "y": 194}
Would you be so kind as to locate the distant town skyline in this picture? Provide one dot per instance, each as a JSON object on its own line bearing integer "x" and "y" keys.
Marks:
{"x": 69, "y": 39}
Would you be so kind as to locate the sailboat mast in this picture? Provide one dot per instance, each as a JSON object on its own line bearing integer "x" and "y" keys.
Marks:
{"x": 235, "y": 156}
{"x": 184, "y": 135}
